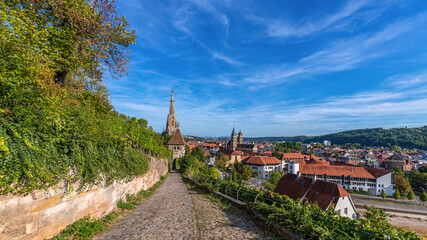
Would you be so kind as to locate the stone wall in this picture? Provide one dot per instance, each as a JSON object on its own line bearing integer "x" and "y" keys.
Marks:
{"x": 45, "y": 213}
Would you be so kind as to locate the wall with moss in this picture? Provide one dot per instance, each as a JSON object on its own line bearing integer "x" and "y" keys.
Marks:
{"x": 43, "y": 214}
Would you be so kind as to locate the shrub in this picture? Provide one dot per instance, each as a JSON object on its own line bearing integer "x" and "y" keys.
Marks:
{"x": 383, "y": 195}
{"x": 125, "y": 205}
{"x": 423, "y": 196}
{"x": 213, "y": 172}
{"x": 396, "y": 194}
{"x": 411, "y": 195}
{"x": 308, "y": 220}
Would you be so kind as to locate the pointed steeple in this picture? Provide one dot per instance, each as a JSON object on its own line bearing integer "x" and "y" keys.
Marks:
{"x": 171, "y": 123}
{"x": 172, "y": 106}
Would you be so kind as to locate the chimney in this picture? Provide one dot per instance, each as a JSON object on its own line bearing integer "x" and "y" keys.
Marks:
{"x": 298, "y": 175}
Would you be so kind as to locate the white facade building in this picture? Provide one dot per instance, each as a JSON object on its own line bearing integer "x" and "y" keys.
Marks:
{"x": 264, "y": 165}
{"x": 372, "y": 180}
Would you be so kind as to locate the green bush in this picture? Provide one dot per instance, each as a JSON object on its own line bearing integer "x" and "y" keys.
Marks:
{"x": 423, "y": 196}
{"x": 125, "y": 205}
{"x": 396, "y": 194}
{"x": 411, "y": 195}
{"x": 383, "y": 194}
{"x": 50, "y": 130}
{"x": 84, "y": 228}
{"x": 308, "y": 220}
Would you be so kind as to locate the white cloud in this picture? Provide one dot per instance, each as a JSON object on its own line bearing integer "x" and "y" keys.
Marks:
{"x": 279, "y": 28}
{"x": 339, "y": 56}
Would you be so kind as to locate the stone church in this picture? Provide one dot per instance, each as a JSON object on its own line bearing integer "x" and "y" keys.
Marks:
{"x": 176, "y": 143}
{"x": 236, "y": 143}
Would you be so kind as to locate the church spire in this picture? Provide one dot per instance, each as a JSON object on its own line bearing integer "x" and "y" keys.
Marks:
{"x": 171, "y": 123}
{"x": 172, "y": 106}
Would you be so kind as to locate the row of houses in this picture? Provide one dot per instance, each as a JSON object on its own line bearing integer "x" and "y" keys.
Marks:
{"x": 372, "y": 180}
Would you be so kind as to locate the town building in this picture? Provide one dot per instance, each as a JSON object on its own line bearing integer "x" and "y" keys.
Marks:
{"x": 236, "y": 143}
{"x": 372, "y": 180}
{"x": 177, "y": 144}
{"x": 264, "y": 165}
{"x": 397, "y": 161}
{"x": 326, "y": 143}
{"x": 325, "y": 194}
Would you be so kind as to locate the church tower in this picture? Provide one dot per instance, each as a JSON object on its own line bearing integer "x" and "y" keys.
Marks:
{"x": 240, "y": 137}
{"x": 172, "y": 123}
{"x": 233, "y": 140}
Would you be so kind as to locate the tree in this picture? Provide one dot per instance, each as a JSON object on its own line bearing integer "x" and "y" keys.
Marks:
{"x": 246, "y": 173}
{"x": 422, "y": 169}
{"x": 277, "y": 154}
{"x": 79, "y": 37}
{"x": 397, "y": 170}
{"x": 395, "y": 148}
{"x": 273, "y": 179}
{"x": 213, "y": 172}
{"x": 396, "y": 194}
{"x": 411, "y": 195}
{"x": 199, "y": 153}
{"x": 402, "y": 184}
{"x": 423, "y": 196}
{"x": 383, "y": 195}
{"x": 221, "y": 162}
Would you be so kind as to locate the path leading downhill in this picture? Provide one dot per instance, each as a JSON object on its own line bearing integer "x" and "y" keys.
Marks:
{"x": 173, "y": 212}
{"x": 167, "y": 214}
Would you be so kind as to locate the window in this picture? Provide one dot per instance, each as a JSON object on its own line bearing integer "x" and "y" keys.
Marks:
{"x": 339, "y": 212}
{"x": 345, "y": 211}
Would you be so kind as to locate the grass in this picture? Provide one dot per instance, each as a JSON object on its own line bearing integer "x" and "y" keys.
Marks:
{"x": 87, "y": 228}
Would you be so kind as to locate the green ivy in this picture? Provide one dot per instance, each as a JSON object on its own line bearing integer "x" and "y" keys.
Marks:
{"x": 51, "y": 133}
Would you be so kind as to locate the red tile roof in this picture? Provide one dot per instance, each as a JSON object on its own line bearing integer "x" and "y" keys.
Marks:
{"x": 334, "y": 170}
{"x": 209, "y": 145}
{"x": 261, "y": 160}
{"x": 321, "y": 192}
{"x": 177, "y": 138}
{"x": 294, "y": 156}
{"x": 290, "y": 186}
{"x": 237, "y": 153}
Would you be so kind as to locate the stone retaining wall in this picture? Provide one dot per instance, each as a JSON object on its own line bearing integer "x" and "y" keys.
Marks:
{"x": 45, "y": 213}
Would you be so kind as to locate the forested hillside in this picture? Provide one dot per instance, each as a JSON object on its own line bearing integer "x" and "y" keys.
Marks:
{"x": 56, "y": 121}
{"x": 402, "y": 137}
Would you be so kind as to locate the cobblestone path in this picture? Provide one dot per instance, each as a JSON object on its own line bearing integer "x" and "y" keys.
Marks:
{"x": 167, "y": 214}
{"x": 173, "y": 212}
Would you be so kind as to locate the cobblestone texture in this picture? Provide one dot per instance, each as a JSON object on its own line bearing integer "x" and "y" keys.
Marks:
{"x": 173, "y": 212}
{"x": 167, "y": 214}
{"x": 214, "y": 223}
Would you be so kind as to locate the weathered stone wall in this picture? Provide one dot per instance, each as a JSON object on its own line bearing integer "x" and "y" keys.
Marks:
{"x": 45, "y": 213}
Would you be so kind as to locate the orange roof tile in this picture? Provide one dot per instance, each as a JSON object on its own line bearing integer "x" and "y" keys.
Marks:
{"x": 336, "y": 170}
{"x": 261, "y": 160}
{"x": 291, "y": 156}
{"x": 177, "y": 138}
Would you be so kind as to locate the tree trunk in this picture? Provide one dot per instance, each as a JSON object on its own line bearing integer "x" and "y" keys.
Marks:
{"x": 60, "y": 77}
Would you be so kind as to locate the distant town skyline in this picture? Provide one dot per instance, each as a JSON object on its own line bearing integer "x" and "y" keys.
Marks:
{"x": 281, "y": 68}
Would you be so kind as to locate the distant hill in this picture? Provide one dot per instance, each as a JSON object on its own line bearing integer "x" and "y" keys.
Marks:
{"x": 402, "y": 137}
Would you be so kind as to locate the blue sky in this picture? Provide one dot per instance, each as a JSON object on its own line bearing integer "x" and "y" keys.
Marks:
{"x": 276, "y": 68}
